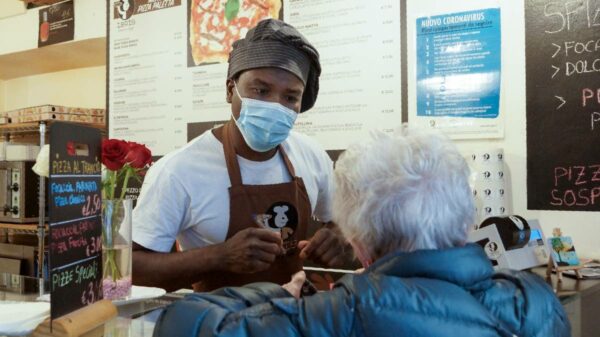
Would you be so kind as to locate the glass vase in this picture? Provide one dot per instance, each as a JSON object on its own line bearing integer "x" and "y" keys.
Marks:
{"x": 116, "y": 248}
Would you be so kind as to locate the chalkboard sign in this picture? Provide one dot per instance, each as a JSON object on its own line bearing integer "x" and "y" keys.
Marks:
{"x": 74, "y": 199}
{"x": 563, "y": 104}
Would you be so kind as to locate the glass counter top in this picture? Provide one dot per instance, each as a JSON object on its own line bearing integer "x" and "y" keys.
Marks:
{"x": 134, "y": 319}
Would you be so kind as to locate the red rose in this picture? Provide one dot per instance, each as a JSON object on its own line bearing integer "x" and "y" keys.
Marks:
{"x": 113, "y": 153}
{"x": 138, "y": 156}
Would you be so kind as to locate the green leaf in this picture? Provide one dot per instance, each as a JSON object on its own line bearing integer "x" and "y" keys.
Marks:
{"x": 232, "y": 7}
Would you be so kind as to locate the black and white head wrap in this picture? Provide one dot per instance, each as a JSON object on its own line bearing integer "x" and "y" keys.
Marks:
{"x": 274, "y": 43}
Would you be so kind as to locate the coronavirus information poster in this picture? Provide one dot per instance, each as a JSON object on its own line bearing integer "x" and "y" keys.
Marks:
{"x": 458, "y": 73}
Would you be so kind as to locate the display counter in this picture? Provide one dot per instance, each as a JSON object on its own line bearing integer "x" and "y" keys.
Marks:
{"x": 136, "y": 318}
{"x": 580, "y": 298}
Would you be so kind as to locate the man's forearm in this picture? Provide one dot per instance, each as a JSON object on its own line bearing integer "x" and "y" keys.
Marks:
{"x": 172, "y": 271}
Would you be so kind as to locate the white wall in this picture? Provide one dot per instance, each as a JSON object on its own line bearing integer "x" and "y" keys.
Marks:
{"x": 583, "y": 227}
{"x": 19, "y": 32}
{"x": 11, "y": 7}
{"x": 2, "y": 96}
{"x": 85, "y": 88}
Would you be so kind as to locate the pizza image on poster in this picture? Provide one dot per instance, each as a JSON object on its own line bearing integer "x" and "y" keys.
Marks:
{"x": 215, "y": 24}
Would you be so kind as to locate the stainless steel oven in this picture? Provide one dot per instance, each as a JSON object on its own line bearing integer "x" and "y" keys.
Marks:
{"x": 18, "y": 192}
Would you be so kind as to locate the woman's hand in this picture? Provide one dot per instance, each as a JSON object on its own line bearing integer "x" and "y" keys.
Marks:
{"x": 327, "y": 248}
{"x": 295, "y": 285}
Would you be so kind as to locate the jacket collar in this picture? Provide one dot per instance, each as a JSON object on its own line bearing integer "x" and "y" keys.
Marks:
{"x": 466, "y": 266}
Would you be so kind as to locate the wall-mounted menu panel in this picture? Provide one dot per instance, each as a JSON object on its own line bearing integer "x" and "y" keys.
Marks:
{"x": 563, "y": 104}
{"x": 168, "y": 64}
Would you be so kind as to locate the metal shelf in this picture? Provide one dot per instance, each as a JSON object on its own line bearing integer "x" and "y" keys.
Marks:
{"x": 41, "y": 228}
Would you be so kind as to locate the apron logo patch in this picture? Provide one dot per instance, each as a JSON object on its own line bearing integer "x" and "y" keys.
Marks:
{"x": 281, "y": 218}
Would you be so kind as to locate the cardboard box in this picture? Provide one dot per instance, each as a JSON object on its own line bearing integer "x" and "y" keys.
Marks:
{"x": 10, "y": 266}
{"x": 41, "y": 2}
{"x": 54, "y": 112}
{"x": 19, "y": 252}
{"x": 59, "y": 117}
{"x": 3, "y": 150}
{"x": 20, "y": 152}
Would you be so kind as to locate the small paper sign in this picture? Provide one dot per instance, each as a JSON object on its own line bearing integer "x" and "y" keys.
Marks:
{"x": 57, "y": 24}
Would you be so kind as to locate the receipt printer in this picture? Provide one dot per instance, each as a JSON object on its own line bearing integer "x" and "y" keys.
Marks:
{"x": 512, "y": 242}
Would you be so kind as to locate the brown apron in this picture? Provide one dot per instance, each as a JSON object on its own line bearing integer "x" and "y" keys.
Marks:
{"x": 280, "y": 207}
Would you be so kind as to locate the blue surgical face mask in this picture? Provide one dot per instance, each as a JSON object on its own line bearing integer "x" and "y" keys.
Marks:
{"x": 264, "y": 125}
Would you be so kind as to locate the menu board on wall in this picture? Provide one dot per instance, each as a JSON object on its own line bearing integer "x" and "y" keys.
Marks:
{"x": 145, "y": 77}
{"x": 168, "y": 65}
{"x": 563, "y": 104}
{"x": 458, "y": 73}
{"x": 74, "y": 200}
{"x": 359, "y": 44}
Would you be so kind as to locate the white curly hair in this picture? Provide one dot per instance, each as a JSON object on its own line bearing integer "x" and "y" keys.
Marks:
{"x": 402, "y": 192}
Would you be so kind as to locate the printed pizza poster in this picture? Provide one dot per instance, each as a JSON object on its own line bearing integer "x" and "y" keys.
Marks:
{"x": 215, "y": 25}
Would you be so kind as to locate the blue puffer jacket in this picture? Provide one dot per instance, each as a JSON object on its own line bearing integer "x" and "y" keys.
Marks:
{"x": 432, "y": 293}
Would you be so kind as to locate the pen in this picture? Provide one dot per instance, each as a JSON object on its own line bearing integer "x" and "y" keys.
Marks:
{"x": 140, "y": 314}
{"x": 261, "y": 221}
{"x": 258, "y": 220}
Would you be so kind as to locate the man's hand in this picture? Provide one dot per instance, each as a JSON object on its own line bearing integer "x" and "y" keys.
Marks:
{"x": 295, "y": 285}
{"x": 250, "y": 250}
{"x": 326, "y": 247}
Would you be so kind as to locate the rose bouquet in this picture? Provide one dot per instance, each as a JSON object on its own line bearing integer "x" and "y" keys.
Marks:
{"x": 124, "y": 162}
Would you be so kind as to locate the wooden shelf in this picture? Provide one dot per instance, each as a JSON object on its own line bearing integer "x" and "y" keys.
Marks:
{"x": 22, "y": 228}
{"x": 58, "y": 57}
{"x": 35, "y": 126}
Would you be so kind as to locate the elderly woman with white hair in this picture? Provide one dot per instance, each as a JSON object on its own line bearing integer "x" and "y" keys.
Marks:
{"x": 404, "y": 203}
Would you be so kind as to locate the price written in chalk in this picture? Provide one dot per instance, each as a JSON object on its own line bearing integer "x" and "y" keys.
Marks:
{"x": 94, "y": 247}
{"x": 92, "y": 293}
{"x": 92, "y": 206}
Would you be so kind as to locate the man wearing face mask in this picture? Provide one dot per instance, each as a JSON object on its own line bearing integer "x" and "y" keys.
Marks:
{"x": 238, "y": 198}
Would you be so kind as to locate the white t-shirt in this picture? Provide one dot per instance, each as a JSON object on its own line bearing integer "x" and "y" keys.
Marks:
{"x": 185, "y": 194}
